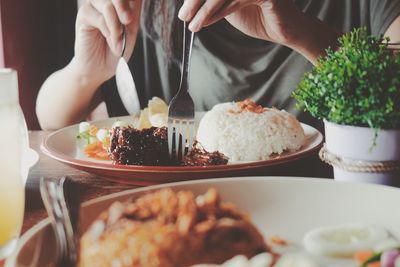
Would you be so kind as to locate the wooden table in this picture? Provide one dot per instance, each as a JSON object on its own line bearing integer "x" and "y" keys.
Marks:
{"x": 88, "y": 186}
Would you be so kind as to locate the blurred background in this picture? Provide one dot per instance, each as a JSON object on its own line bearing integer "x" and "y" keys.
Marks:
{"x": 36, "y": 39}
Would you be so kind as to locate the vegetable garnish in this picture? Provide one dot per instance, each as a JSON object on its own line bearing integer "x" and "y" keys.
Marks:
{"x": 96, "y": 140}
{"x": 96, "y": 150}
{"x": 362, "y": 256}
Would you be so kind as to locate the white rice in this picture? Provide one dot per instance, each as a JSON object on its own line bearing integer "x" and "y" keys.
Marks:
{"x": 249, "y": 136}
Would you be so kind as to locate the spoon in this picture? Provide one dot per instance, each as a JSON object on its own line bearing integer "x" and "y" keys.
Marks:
{"x": 125, "y": 84}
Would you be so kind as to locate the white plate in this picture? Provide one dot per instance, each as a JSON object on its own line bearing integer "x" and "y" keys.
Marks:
{"x": 62, "y": 146}
{"x": 283, "y": 206}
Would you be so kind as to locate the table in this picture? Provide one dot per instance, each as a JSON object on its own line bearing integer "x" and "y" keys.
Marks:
{"x": 88, "y": 186}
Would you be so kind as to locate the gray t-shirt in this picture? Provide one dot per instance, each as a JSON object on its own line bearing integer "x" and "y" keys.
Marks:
{"x": 229, "y": 65}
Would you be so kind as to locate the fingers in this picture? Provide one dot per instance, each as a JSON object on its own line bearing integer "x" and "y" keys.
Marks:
{"x": 206, "y": 11}
{"x": 189, "y": 9}
{"x": 125, "y": 10}
{"x": 107, "y": 10}
{"x": 132, "y": 29}
{"x": 89, "y": 17}
{"x": 202, "y": 13}
{"x": 225, "y": 11}
{"x": 108, "y": 16}
{"x": 198, "y": 12}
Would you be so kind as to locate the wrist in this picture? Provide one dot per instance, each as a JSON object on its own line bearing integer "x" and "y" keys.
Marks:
{"x": 311, "y": 37}
{"x": 83, "y": 76}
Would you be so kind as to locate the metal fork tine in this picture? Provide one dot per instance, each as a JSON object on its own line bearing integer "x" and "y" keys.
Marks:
{"x": 170, "y": 136}
{"x": 185, "y": 139}
{"x": 190, "y": 135}
{"x": 183, "y": 135}
{"x": 177, "y": 127}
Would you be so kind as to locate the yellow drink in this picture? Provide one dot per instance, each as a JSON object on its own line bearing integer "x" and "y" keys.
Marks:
{"x": 11, "y": 182}
{"x": 11, "y": 208}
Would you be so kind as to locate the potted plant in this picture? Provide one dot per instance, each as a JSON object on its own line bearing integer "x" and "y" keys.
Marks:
{"x": 356, "y": 91}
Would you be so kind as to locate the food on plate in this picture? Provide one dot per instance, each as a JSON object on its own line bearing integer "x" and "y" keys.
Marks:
{"x": 245, "y": 131}
{"x": 144, "y": 121}
{"x": 238, "y": 131}
{"x": 261, "y": 260}
{"x": 267, "y": 260}
{"x": 198, "y": 156}
{"x": 384, "y": 254}
{"x": 144, "y": 143}
{"x": 297, "y": 259}
{"x": 166, "y": 228}
{"x": 129, "y": 146}
{"x": 343, "y": 240}
{"x": 158, "y": 112}
{"x": 95, "y": 140}
{"x": 155, "y": 115}
{"x": 390, "y": 258}
{"x": 126, "y": 145}
{"x": 277, "y": 240}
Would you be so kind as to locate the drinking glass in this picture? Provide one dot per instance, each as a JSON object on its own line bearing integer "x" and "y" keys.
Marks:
{"x": 13, "y": 144}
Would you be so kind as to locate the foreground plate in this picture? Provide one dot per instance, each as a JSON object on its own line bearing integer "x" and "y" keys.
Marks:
{"x": 62, "y": 146}
{"x": 287, "y": 207}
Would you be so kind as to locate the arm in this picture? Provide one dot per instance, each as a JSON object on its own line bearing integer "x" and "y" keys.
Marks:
{"x": 278, "y": 21}
{"x": 312, "y": 44}
{"x": 393, "y": 32}
{"x": 67, "y": 96}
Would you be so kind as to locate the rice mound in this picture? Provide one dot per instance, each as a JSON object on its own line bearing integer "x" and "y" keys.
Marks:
{"x": 243, "y": 135}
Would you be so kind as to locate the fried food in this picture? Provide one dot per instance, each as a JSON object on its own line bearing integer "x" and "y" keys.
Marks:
{"x": 170, "y": 229}
{"x": 149, "y": 147}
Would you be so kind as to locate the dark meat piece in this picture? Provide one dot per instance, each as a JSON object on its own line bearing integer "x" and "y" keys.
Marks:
{"x": 129, "y": 146}
{"x": 149, "y": 147}
{"x": 198, "y": 156}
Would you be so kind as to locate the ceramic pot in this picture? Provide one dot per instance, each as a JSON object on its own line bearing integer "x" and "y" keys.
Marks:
{"x": 357, "y": 144}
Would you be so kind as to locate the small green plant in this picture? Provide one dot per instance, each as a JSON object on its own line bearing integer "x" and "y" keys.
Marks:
{"x": 358, "y": 85}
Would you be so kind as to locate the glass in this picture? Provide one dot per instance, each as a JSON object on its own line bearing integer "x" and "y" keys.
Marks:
{"x": 13, "y": 144}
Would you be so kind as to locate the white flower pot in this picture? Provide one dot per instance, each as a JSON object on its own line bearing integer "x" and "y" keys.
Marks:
{"x": 357, "y": 143}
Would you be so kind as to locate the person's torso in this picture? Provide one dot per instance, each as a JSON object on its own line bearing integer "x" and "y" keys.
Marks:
{"x": 228, "y": 65}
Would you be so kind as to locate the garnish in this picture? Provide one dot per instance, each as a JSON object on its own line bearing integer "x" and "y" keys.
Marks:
{"x": 96, "y": 140}
{"x": 250, "y": 106}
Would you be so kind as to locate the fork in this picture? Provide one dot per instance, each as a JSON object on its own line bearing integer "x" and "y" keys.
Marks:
{"x": 52, "y": 192}
{"x": 181, "y": 125}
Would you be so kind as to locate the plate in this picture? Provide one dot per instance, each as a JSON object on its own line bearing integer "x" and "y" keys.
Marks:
{"x": 283, "y": 206}
{"x": 62, "y": 146}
